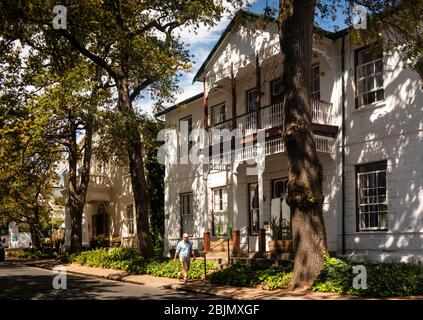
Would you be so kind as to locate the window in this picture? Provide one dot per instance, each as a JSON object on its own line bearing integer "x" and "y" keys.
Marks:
{"x": 99, "y": 221}
{"x": 129, "y": 220}
{"x": 276, "y": 91}
{"x": 315, "y": 82}
{"x": 251, "y": 100}
{"x": 187, "y": 214}
{"x": 185, "y": 123}
{"x": 220, "y": 214}
{"x": 253, "y": 200}
{"x": 369, "y": 76}
{"x": 279, "y": 188}
{"x": 218, "y": 114}
{"x": 371, "y": 196}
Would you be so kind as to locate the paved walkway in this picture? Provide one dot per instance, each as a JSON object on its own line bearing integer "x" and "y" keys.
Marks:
{"x": 203, "y": 287}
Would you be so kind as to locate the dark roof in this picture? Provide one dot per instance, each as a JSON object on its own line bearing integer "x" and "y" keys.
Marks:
{"x": 249, "y": 16}
{"x": 190, "y": 99}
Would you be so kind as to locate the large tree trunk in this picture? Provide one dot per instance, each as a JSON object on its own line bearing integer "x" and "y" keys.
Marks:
{"x": 78, "y": 193}
{"x": 305, "y": 196}
{"x": 136, "y": 167}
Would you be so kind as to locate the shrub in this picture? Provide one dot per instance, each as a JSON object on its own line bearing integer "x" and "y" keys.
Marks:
{"x": 383, "y": 279}
{"x": 244, "y": 275}
{"x": 167, "y": 268}
{"x": 281, "y": 280}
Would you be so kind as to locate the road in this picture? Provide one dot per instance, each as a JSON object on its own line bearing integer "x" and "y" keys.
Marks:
{"x": 18, "y": 281}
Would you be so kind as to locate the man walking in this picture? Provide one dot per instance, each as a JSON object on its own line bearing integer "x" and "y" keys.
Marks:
{"x": 184, "y": 250}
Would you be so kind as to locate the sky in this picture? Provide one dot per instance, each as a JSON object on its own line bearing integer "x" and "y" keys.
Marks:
{"x": 200, "y": 45}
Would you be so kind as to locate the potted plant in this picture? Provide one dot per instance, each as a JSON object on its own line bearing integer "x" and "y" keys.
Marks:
{"x": 281, "y": 236}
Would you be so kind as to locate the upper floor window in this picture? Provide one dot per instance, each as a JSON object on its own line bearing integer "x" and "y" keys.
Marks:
{"x": 369, "y": 75}
{"x": 252, "y": 100}
{"x": 218, "y": 114}
{"x": 276, "y": 91}
{"x": 315, "y": 82}
{"x": 371, "y": 196}
{"x": 185, "y": 123}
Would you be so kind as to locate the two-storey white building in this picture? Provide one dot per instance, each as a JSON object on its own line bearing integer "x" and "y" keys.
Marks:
{"x": 367, "y": 111}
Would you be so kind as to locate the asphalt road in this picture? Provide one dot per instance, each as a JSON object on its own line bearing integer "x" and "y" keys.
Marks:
{"x": 18, "y": 281}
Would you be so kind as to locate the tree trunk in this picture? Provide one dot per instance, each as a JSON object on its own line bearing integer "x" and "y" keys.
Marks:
{"x": 305, "y": 196}
{"x": 78, "y": 193}
{"x": 136, "y": 167}
{"x": 35, "y": 236}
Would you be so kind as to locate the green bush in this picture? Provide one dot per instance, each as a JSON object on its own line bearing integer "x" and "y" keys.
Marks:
{"x": 383, "y": 279}
{"x": 170, "y": 269}
{"x": 281, "y": 280}
{"x": 126, "y": 259}
{"x": 244, "y": 275}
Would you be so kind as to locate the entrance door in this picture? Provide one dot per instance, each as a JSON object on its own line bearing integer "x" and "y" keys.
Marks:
{"x": 253, "y": 203}
{"x": 99, "y": 221}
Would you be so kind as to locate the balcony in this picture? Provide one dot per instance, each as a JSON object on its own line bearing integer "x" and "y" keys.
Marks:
{"x": 99, "y": 188}
{"x": 272, "y": 116}
{"x": 218, "y": 162}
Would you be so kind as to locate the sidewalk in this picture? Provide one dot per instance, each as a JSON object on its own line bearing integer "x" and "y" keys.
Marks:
{"x": 203, "y": 287}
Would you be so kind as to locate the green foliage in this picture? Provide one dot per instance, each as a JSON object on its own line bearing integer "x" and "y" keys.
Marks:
{"x": 32, "y": 253}
{"x": 281, "y": 280}
{"x": 170, "y": 269}
{"x": 241, "y": 275}
{"x": 383, "y": 279}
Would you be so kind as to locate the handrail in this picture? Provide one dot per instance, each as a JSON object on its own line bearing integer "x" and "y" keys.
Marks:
{"x": 205, "y": 255}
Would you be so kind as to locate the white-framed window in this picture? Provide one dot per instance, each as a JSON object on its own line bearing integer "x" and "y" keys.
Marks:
{"x": 218, "y": 114}
{"x": 276, "y": 91}
{"x": 184, "y": 141}
{"x": 130, "y": 220}
{"x": 315, "y": 82}
{"x": 279, "y": 188}
{"x": 187, "y": 213}
{"x": 252, "y": 100}
{"x": 253, "y": 203}
{"x": 220, "y": 211}
{"x": 369, "y": 75}
{"x": 372, "y": 202}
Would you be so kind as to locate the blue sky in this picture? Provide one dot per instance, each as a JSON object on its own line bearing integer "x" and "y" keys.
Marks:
{"x": 201, "y": 44}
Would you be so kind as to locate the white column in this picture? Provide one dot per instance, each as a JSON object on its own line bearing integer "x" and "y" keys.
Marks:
{"x": 261, "y": 156}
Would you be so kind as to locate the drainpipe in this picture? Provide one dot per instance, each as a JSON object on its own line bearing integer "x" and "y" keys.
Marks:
{"x": 343, "y": 142}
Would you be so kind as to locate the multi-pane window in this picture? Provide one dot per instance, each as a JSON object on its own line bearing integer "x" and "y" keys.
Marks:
{"x": 315, "y": 82}
{"x": 370, "y": 76}
{"x": 185, "y": 140}
{"x": 251, "y": 100}
{"x": 220, "y": 205}
{"x": 218, "y": 114}
{"x": 187, "y": 213}
{"x": 276, "y": 91}
{"x": 129, "y": 220}
{"x": 279, "y": 188}
{"x": 371, "y": 196}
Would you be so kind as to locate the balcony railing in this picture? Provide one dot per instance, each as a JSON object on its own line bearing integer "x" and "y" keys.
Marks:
{"x": 99, "y": 179}
{"x": 272, "y": 116}
{"x": 275, "y": 146}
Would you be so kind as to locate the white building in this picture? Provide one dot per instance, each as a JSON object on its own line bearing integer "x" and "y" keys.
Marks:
{"x": 373, "y": 182}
